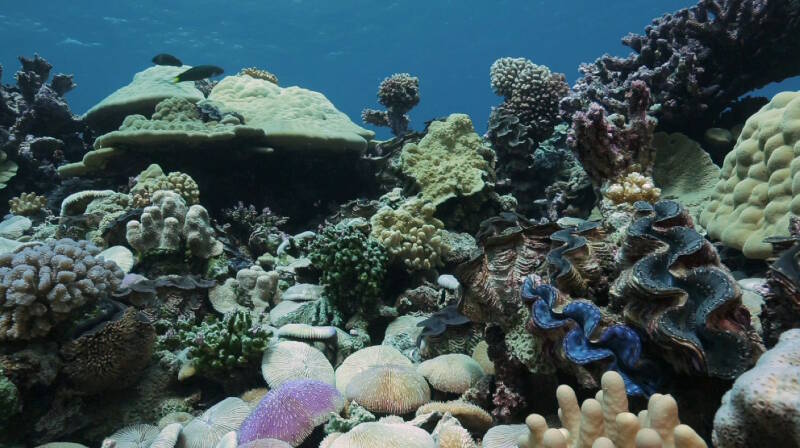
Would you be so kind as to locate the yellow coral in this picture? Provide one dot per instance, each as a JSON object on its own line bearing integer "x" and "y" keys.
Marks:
{"x": 759, "y": 187}
{"x": 258, "y": 73}
{"x": 605, "y": 422}
{"x": 451, "y": 160}
{"x": 631, "y": 188}
{"x": 27, "y": 204}
{"x": 411, "y": 234}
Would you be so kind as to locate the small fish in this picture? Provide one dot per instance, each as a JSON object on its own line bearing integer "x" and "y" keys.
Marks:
{"x": 166, "y": 59}
{"x": 198, "y": 73}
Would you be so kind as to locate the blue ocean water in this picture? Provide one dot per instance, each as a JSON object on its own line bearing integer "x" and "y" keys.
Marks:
{"x": 342, "y": 48}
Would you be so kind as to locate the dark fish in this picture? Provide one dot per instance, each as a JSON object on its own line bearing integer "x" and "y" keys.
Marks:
{"x": 166, "y": 59}
{"x": 198, "y": 73}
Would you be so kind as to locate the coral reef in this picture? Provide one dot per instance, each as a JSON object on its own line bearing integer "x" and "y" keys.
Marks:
{"x": 699, "y": 321}
{"x": 399, "y": 93}
{"x": 761, "y": 407}
{"x": 44, "y": 284}
{"x": 27, "y": 204}
{"x": 758, "y": 190}
{"x": 631, "y": 188}
{"x": 606, "y": 422}
{"x": 411, "y": 234}
{"x": 353, "y": 266}
{"x": 153, "y": 179}
{"x": 531, "y": 94}
{"x": 688, "y": 60}
{"x": 291, "y": 412}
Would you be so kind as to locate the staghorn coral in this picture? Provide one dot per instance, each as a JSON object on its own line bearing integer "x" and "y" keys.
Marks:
{"x": 259, "y": 73}
{"x": 698, "y": 321}
{"x": 688, "y": 61}
{"x": 761, "y": 407}
{"x": 758, "y": 187}
{"x": 531, "y": 92}
{"x": 111, "y": 355}
{"x": 27, "y": 204}
{"x": 216, "y": 346}
{"x": 450, "y": 161}
{"x": 399, "y": 93}
{"x": 411, "y": 234}
{"x": 41, "y": 285}
{"x": 353, "y": 266}
{"x": 611, "y": 146}
{"x": 605, "y": 422}
{"x": 291, "y": 412}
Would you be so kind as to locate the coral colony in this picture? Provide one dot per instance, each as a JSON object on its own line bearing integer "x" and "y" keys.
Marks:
{"x": 147, "y": 299}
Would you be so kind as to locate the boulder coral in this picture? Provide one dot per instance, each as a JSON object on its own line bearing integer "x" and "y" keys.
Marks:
{"x": 761, "y": 407}
{"x": 759, "y": 186}
{"x": 41, "y": 285}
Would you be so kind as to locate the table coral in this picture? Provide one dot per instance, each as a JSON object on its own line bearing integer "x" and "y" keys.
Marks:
{"x": 761, "y": 407}
{"x": 759, "y": 186}
{"x": 450, "y": 161}
{"x": 41, "y": 285}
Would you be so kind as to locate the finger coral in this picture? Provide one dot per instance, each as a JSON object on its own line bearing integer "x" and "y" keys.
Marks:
{"x": 605, "y": 422}
{"x": 41, "y": 285}
{"x": 27, "y": 204}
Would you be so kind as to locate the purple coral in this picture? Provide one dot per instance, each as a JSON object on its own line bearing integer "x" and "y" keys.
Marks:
{"x": 291, "y": 412}
{"x": 399, "y": 93}
{"x": 611, "y": 146}
{"x": 532, "y": 93}
{"x": 697, "y": 61}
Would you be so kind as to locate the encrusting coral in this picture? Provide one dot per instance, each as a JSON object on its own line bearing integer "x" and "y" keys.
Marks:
{"x": 761, "y": 407}
{"x": 605, "y": 422}
{"x": 41, "y": 285}
{"x": 399, "y": 93}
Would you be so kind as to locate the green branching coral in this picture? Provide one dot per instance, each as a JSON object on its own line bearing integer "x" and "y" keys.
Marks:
{"x": 9, "y": 398}
{"x": 353, "y": 265}
{"x": 411, "y": 234}
{"x": 219, "y": 346}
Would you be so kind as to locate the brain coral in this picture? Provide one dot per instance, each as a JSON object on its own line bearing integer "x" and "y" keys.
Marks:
{"x": 761, "y": 409}
{"x": 759, "y": 187}
{"x": 291, "y": 412}
{"x": 451, "y": 160}
{"x": 41, "y": 285}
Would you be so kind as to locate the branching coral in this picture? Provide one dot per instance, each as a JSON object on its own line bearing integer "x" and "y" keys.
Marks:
{"x": 610, "y": 146}
{"x": 698, "y": 321}
{"x": 216, "y": 347}
{"x": 42, "y": 285}
{"x": 761, "y": 407}
{"x": 605, "y": 422}
{"x": 27, "y": 204}
{"x": 697, "y": 61}
{"x": 353, "y": 266}
{"x": 153, "y": 179}
{"x": 399, "y": 93}
{"x": 532, "y": 94}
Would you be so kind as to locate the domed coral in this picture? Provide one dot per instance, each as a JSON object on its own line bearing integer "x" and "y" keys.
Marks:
{"x": 759, "y": 187}
{"x": 452, "y": 373}
{"x": 390, "y": 389}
